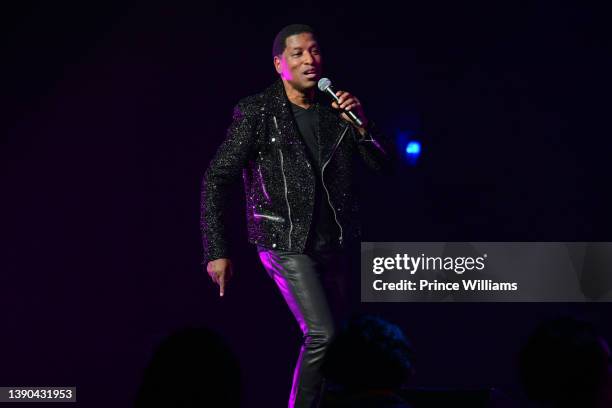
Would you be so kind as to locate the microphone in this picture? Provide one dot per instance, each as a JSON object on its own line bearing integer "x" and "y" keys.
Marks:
{"x": 324, "y": 85}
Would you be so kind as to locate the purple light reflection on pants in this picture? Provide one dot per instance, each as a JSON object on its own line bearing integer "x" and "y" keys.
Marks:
{"x": 315, "y": 289}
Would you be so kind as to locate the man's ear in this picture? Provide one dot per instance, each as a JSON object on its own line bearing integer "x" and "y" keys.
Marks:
{"x": 277, "y": 64}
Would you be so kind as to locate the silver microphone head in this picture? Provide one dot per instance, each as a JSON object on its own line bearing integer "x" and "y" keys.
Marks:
{"x": 323, "y": 84}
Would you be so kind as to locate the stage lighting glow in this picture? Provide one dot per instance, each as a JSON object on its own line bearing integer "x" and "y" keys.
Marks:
{"x": 413, "y": 148}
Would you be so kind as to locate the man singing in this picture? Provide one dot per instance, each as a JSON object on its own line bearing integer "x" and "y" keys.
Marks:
{"x": 294, "y": 149}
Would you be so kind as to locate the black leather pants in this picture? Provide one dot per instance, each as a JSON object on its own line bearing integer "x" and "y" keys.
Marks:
{"x": 314, "y": 285}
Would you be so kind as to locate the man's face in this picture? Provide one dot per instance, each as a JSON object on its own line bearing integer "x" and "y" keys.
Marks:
{"x": 300, "y": 63}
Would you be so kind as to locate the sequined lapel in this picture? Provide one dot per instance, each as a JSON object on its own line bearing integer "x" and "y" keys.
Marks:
{"x": 280, "y": 108}
{"x": 330, "y": 125}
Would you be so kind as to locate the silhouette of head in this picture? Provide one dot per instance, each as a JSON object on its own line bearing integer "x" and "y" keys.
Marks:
{"x": 368, "y": 353}
{"x": 564, "y": 363}
{"x": 191, "y": 368}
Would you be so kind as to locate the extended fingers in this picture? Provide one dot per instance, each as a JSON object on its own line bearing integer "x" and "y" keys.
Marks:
{"x": 220, "y": 277}
{"x": 219, "y": 280}
{"x": 224, "y": 278}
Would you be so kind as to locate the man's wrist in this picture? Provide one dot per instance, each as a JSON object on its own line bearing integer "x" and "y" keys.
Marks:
{"x": 363, "y": 129}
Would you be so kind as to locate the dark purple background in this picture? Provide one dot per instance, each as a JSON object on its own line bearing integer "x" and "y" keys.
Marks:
{"x": 111, "y": 113}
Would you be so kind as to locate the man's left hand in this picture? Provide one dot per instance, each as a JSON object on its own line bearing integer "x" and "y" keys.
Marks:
{"x": 350, "y": 102}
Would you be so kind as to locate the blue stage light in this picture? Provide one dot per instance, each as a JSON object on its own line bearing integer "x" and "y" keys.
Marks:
{"x": 413, "y": 148}
{"x": 408, "y": 146}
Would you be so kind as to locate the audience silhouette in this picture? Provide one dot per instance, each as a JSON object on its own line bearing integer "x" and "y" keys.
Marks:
{"x": 366, "y": 364}
{"x": 192, "y": 368}
{"x": 566, "y": 363}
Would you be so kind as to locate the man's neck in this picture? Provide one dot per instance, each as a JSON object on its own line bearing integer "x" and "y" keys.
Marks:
{"x": 303, "y": 98}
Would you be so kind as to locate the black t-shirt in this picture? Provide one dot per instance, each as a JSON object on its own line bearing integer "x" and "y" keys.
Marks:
{"x": 324, "y": 231}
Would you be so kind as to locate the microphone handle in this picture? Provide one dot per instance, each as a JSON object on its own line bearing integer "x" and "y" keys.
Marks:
{"x": 350, "y": 113}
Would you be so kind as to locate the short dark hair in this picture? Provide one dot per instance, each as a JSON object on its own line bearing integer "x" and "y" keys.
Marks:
{"x": 279, "y": 41}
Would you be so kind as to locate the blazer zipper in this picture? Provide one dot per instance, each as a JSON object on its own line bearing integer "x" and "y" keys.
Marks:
{"x": 323, "y": 181}
{"x": 277, "y": 218}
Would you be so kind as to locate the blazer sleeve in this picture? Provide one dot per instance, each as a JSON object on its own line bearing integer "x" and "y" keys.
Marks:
{"x": 376, "y": 150}
{"x": 224, "y": 170}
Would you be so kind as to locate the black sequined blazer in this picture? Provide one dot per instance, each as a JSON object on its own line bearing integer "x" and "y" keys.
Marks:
{"x": 263, "y": 144}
